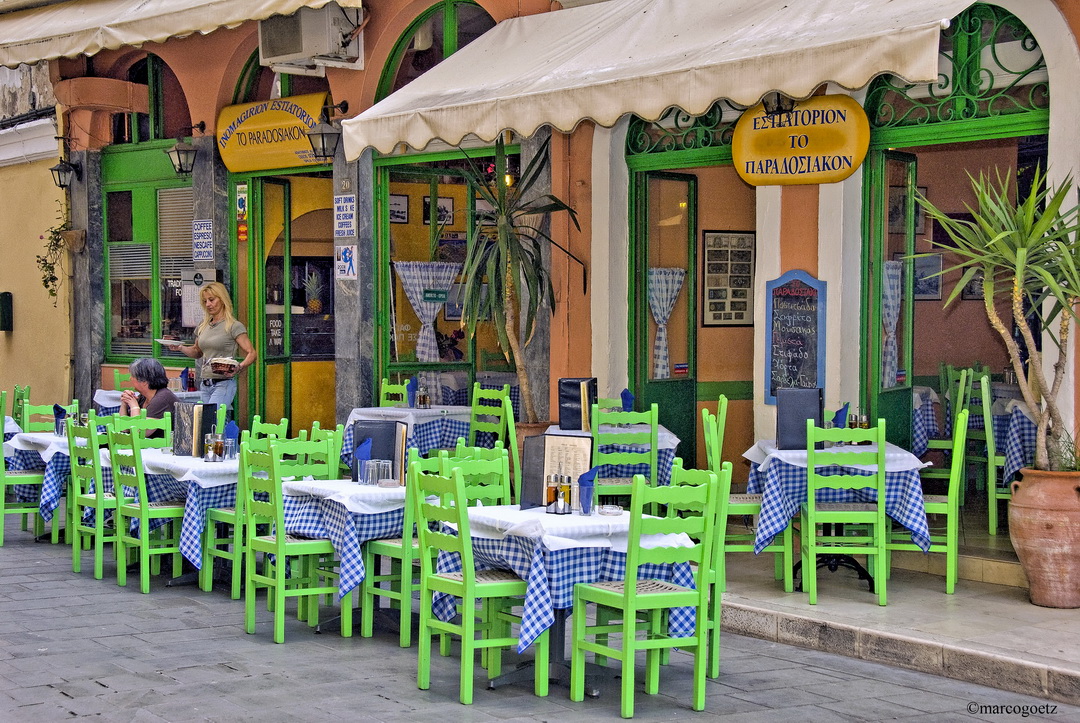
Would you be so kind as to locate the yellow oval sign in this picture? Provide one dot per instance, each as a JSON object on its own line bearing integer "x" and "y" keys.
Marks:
{"x": 269, "y": 134}
{"x": 823, "y": 140}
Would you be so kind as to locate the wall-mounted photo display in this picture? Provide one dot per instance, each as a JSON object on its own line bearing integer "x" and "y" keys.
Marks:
{"x": 399, "y": 208}
{"x": 727, "y": 272}
{"x": 444, "y": 211}
{"x": 898, "y": 210}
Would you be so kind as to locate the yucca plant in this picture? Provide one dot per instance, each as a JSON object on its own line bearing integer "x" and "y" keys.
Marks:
{"x": 1028, "y": 251}
{"x": 505, "y": 254}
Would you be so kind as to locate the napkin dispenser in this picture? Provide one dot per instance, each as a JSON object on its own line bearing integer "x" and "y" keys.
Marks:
{"x": 577, "y": 395}
{"x": 793, "y": 407}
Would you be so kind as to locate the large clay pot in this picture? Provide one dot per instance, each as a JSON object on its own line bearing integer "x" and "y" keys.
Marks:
{"x": 1044, "y": 524}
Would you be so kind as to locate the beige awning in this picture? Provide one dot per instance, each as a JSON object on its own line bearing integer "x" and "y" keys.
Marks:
{"x": 643, "y": 56}
{"x": 85, "y": 27}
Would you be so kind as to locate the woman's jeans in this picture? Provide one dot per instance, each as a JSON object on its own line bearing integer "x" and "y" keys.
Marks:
{"x": 221, "y": 393}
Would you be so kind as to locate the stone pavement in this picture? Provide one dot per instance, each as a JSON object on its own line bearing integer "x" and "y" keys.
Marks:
{"x": 72, "y": 646}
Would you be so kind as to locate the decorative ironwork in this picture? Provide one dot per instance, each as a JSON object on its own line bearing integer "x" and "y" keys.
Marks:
{"x": 991, "y": 66}
{"x": 680, "y": 131}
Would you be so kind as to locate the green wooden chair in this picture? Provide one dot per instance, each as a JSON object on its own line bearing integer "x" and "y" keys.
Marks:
{"x": 745, "y": 505}
{"x": 308, "y": 557}
{"x": 84, "y": 450}
{"x": 512, "y": 444}
{"x": 641, "y": 605}
{"x": 645, "y": 451}
{"x": 486, "y": 480}
{"x": 10, "y": 504}
{"x": 318, "y": 434}
{"x": 393, "y": 395}
{"x": 496, "y": 589}
{"x": 21, "y": 396}
{"x": 990, "y": 459}
{"x": 489, "y": 412}
{"x": 946, "y": 506}
{"x": 401, "y": 581}
{"x": 959, "y": 391}
{"x": 31, "y": 417}
{"x": 277, "y": 430}
{"x": 125, "y": 452}
{"x": 866, "y": 520}
{"x": 122, "y": 380}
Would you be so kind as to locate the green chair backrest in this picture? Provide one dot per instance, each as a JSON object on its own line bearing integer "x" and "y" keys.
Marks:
{"x": 393, "y": 395}
{"x": 645, "y": 441}
{"x": 122, "y": 380}
{"x": 609, "y": 403}
{"x": 959, "y": 391}
{"x": 850, "y": 455}
{"x": 488, "y": 412}
{"x": 84, "y": 447}
{"x": 262, "y": 491}
{"x": 464, "y": 451}
{"x": 20, "y": 397}
{"x": 335, "y": 436}
{"x": 440, "y": 500}
{"x": 512, "y": 444}
{"x": 713, "y": 426}
{"x": 125, "y": 458}
{"x": 303, "y": 458}
{"x": 982, "y": 402}
{"x": 958, "y": 466}
{"x": 28, "y": 412}
{"x": 682, "y": 476}
{"x": 697, "y": 491}
{"x": 259, "y": 428}
{"x": 161, "y": 429}
{"x": 485, "y": 480}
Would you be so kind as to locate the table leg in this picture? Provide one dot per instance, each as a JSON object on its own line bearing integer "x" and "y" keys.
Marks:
{"x": 559, "y": 665}
{"x": 834, "y": 563}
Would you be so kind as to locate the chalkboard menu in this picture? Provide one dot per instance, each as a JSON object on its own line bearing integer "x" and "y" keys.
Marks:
{"x": 795, "y": 335}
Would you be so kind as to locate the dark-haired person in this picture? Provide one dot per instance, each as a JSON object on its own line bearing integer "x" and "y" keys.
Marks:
{"x": 151, "y": 391}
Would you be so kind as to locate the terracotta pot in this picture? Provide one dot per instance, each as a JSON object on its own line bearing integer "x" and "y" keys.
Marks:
{"x": 1044, "y": 525}
{"x": 74, "y": 239}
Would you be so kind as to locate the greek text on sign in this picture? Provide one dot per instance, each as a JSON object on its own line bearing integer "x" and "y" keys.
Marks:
{"x": 823, "y": 140}
{"x": 344, "y": 216}
{"x": 270, "y": 133}
{"x": 202, "y": 240}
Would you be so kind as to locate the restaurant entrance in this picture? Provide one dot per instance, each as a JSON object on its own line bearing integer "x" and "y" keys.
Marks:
{"x": 285, "y": 244}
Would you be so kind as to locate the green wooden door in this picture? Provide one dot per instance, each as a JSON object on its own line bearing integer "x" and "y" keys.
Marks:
{"x": 888, "y": 292}
{"x": 663, "y": 300}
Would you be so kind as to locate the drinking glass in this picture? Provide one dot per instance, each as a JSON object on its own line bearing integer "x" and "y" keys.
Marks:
{"x": 383, "y": 470}
{"x": 230, "y": 449}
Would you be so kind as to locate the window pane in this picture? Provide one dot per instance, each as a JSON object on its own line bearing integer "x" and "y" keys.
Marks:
{"x": 119, "y": 220}
{"x": 175, "y": 214}
{"x": 129, "y": 288}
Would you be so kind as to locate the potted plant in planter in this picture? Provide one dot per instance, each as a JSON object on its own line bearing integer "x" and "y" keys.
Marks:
{"x": 505, "y": 254}
{"x": 1028, "y": 252}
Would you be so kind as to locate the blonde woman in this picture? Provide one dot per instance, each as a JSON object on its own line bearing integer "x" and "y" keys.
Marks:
{"x": 219, "y": 335}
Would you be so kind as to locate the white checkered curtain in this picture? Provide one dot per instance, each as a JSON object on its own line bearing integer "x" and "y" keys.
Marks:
{"x": 664, "y": 287}
{"x": 418, "y": 277}
{"x": 890, "y": 317}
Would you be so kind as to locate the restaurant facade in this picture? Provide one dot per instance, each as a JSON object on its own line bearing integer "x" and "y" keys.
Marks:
{"x": 346, "y": 268}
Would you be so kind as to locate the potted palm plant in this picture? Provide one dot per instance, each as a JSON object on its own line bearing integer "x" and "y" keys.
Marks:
{"x": 1027, "y": 251}
{"x": 505, "y": 254}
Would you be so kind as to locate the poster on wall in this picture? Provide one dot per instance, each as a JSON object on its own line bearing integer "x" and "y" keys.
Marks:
{"x": 345, "y": 262}
{"x": 727, "y": 289}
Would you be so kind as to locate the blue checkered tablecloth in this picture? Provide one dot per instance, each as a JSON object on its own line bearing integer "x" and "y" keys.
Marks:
{"x": 783, "y": 488}
{"x": 1019, "y": 446}
{"x": 924, "y": 427}
{"x": 665, "y": 459}
{"x": 551, "y": 576}
{"x": 24, "y": 460}
{"x": 318, "y": 517}
{"x": 197, "y": 501}
{"x": 460, "y": 397}
{"x": 439, "y": 433}
{"x": 159, "y": 488}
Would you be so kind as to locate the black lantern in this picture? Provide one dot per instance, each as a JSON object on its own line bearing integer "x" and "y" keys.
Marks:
{"x": 63, "y": 173}
{"x": 324, "y": 139}
{"x": 182, "y": 155}
{"x": 777, "y": 103}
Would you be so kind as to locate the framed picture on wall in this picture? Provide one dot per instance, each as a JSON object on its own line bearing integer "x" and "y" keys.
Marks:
{"x": 399, "y": 208}
{"x": 727, "y": 278}
{"x": 973, "y": 290}
{"x": 444, "y": 209}
{"x": 898, "y": 210}
{"x": 926, "y": 286}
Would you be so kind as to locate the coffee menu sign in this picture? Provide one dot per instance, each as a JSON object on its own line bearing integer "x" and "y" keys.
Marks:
{"x": 269, "y": 134}
{"x": 795, "y": 335}
{"x": 823, "y": 140}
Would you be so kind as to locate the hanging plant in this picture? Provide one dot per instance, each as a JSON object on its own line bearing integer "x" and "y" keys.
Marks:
{"x": 51, "y": 263}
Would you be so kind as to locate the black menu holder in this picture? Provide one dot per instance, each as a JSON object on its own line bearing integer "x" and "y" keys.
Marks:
{"x": 576, "y": 397}
{"x": 387, "y": 442}
{"x": 793, "y": 407}
{"x": 532, "y": 472}
{"x": 192, "y": 421}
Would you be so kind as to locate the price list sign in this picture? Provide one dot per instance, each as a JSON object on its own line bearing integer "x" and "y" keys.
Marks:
{"x": 795, "y": 337}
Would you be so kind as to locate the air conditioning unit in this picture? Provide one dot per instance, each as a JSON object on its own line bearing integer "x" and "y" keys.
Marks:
{"x": 312, "y": 38}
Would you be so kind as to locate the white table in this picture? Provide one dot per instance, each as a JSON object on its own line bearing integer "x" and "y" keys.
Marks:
{"x": 46, "y": 444}
{"x": 664, "y": 437}
{"x": 10, "y": 426}
{"x": 666, "y": 441}
{"x": 109, "y": 399}
{"x": 348, "y": 515}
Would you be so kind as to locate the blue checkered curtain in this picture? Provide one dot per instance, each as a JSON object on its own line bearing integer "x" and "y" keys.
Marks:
{"x": 890, "y": 317}
{"x": 417, "y": 277}
{"x": 664, "y": 287}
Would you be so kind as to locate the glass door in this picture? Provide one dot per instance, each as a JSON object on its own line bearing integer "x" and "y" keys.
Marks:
{"x": 888, "y": 293}
{"x": 271, "y": 273}
{"x": 663, "y": 297}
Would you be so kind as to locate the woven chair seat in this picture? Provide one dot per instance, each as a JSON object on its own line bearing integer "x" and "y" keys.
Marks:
{"x": 483, "y": 576}
{"x": 623, "y": 481}
{"x": 230, "y": 510}
{"x": 935, "y": 499}
{"x": 293, "y": 538}
{"x": 847, "y": 506}
{"x": 399, "y": 541}
{"x": 27, "y": 473}
{"x": 745, "y": 499}
{"x": 166, "y": 503}
{"x": 644, "y": 587}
